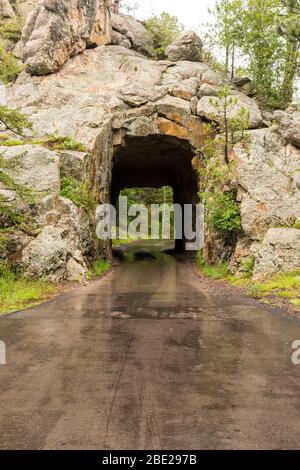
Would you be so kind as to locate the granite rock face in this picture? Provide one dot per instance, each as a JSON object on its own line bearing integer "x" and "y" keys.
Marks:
{"x": 121, "y": 105}
{"x": 129, "y": 32}
{"x": 279, "y": 253}
{"x": 289, "y": 125}
{"x": 58, "y": 29}
{"x": 187, "y": 47}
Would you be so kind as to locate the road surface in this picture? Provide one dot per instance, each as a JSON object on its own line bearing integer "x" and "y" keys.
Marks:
{"x": 149, "y": 358}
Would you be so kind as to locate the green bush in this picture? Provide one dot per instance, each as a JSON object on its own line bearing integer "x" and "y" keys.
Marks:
{"x": 164, "y": 29}
{"x": 99, "y": 267}
{"x": 78, "y": 193}
{"x": 9, "y": 66}
{"x": 13, "y": 120}
{"x": 11, "y": 30}
{"x": 248, "y": 266}
{"x": 223, "y": 212}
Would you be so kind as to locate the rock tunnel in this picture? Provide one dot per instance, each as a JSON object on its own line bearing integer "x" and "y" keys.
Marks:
{"x": 156, "y": 161}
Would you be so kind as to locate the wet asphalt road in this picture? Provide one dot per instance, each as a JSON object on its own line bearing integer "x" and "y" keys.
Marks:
{"x": 148, "y": 358}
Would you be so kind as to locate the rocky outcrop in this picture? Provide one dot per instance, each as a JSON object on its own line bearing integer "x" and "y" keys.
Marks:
{"x": 187, "y": 47}
{"x": 289, "y": 125}
{"x": 25, "y": 7}
{"x": 279, "y": 253}
{"x": 120, "y": 105}
{"x": 77, "y": 165}
{"x": 206, "y": 109}
{"x": 59, "y": 249}
{"x": 32, "y": 166}
{"x": 269, "y": 194}
{"x": 268, "y": 172}
{"x": 130, "y": 33}
{"x": 47, "y": 235}
{"x": 59, "y": 29}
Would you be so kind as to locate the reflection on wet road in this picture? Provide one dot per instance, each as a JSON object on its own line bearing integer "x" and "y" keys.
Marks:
{"x": 148, "y": 358}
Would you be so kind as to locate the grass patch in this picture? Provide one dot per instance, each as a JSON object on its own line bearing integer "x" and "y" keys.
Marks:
{"x": 283, "y": 286}
{"x": 18, "y": 292}
{"x": 217, "y": 271}
{"x": 64, "y": 143}
{"x": 99, "y": 267}
{"x": 125, "y": 241}
{"x": 51, "y": 143}
{"x": 297, "y": 225}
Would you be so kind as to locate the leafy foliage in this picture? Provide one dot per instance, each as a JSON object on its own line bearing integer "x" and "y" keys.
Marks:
{"x": 164, "y": 29}
{"x": 100, "y": 266}
{"x": 266, "y": 34}
{"x": 78, "y": 193}
{"x": 11, "y": 29}
{"x": 9, "y": 66}
{"x": 217, "y": 170}
{"x": 14, "y": 120}
{"x": 223, "y": 211}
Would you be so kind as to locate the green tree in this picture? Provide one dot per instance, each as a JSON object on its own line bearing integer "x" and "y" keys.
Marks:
{"x": 289, "y": 21}
{"x": 289, "y": 29}
{"x": 13, "y": 120}
{"x": 164, "y": 29}
{"x": 266, "y": 34}
{"x": 228, "y": 28}
{"x": 217, "y": 169}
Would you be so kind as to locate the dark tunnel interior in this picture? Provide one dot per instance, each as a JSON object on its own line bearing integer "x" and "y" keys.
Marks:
{"x": 156, "y": 161}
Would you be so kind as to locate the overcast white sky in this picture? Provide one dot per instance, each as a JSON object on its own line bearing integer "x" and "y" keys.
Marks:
{"x": 189, "y": 12}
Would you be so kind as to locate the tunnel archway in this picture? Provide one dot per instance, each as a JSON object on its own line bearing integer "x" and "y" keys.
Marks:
{"x": 156, "y": 161}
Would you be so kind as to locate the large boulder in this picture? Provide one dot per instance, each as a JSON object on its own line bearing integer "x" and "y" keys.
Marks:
{"x": 61, "y": 248}
{"x": 279, "y": 253}
{"x": 25, "y": 7}
{"x": 289, "y": 125}
{"x": 75, "y": 165}
{"x": 32, "y": 166}
{"x": 268, "y": 171}
{"x": 207, "y": 109}
{"x": 129, "y": 32}
{"x": 187, "y": 47}
{"x": 59, "y": 29}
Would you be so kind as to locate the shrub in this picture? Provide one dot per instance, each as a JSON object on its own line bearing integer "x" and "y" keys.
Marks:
{"x": 78, "y": 193}
{"x": 99, "y": 267}
{"x": 11, "y": 30}
{"x": 13, "y": 120}
{"x": 223, "y": 212}
{"x": 9, "y": 66}
{"x": 164, "y": 29}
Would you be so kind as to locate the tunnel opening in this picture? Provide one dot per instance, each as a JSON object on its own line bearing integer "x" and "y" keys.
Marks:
{"x": 156, "y": 162}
